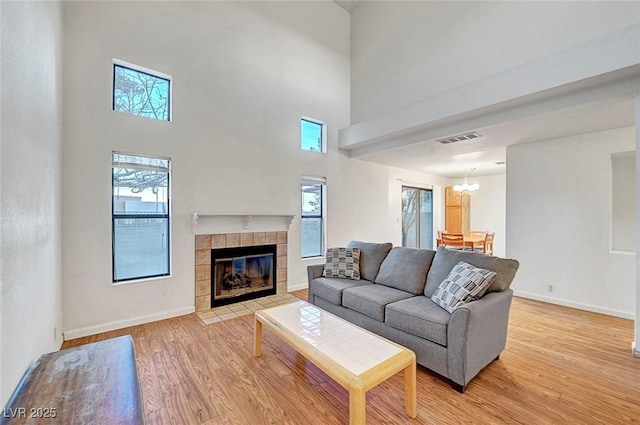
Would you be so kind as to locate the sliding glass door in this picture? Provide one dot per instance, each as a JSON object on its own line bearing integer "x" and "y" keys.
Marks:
{"x": 417, "y": 218}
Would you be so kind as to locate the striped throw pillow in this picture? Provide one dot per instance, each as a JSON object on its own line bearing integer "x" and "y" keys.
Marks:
{"x": 465, "y": 283}
{"x": 343, "y": 262}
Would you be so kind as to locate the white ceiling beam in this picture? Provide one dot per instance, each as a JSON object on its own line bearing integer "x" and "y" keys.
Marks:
{"x": 602, "y": 68}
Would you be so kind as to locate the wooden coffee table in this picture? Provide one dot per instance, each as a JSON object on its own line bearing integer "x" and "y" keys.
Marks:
{"x": 355, "y": 358}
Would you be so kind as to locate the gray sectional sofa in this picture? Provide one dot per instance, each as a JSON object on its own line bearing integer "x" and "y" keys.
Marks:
{"x": 393, "y": 299}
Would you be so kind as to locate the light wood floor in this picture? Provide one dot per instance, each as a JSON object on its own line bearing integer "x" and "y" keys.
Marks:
{"x": 561, "y": 366}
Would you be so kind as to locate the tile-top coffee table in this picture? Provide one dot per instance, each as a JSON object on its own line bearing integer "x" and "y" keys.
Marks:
{"x": 355, "y": 358}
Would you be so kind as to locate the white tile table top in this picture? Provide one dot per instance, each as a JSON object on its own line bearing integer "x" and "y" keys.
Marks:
{"x": 348, "y": 345}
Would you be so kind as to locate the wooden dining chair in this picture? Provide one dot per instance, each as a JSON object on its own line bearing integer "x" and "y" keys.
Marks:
{"x": 487, "y": 246}
{"x": 453, "y": 240}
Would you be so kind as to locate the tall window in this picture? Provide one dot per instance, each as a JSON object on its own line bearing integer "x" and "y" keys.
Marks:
{"x": 313, "y": 135}
{"x": 313, "y": 223}
{"x": 142, "y": 92}
{"x": 140, "y": 216}
{"x": 417, "y": 218}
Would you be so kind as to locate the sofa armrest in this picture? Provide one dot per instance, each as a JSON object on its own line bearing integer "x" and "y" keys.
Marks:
{"x": 477, "y": 334}
{"x": 314, "y": 271}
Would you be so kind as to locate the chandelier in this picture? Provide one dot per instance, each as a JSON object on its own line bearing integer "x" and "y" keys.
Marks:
{"x": 466, "y": 187}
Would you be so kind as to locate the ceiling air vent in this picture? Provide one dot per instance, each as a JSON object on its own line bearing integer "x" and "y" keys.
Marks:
{"x": 458, "y": 138}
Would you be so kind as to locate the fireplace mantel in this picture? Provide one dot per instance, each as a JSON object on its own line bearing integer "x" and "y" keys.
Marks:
{"x": 246, "y": 218}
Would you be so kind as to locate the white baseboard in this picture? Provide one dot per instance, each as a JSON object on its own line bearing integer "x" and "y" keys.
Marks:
{"x": 297, "y": 287}
{"x": 119, "y": 324}
{"x": 635, "y": 350}
{"x": 572, "y": 304}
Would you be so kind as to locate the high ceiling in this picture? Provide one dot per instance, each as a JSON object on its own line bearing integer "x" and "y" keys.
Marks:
{"x": 545, "y": 99}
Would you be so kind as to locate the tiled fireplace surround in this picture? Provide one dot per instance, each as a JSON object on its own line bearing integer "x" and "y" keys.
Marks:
{"x": 205, "y": 243}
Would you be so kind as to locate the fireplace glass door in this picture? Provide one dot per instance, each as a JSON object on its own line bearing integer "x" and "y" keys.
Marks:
{"x": 242, "y": 273}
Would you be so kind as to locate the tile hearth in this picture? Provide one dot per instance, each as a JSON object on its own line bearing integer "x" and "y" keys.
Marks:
{"x": 231, "y": 311}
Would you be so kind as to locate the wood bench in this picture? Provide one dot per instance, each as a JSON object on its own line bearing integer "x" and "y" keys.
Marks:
{"x": 91, "y": 384}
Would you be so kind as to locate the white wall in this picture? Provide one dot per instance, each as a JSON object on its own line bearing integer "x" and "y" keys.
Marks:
{"x": 30, "y": 191}
{"x": 406, "y": 52}
{"x": 375, "y": 207}
{"x": 636, "y": 339}
{"x": 488, "y": 208}
{"x": 243, "y": 75}
{"x": 558, "y": 222}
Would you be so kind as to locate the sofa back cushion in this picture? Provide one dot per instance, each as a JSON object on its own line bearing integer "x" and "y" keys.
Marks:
{"x": 446, "y": 259}
{"x": 406, "y": 269}
{"x": 371, "y": 256}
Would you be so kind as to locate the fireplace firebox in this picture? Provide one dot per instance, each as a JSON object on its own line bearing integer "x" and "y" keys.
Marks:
{"x": 243, "y": 273}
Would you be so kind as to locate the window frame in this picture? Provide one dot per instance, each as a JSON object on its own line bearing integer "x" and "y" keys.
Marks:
{"x": 147, "y": 71}
{"x": 115, "y": 217}
{"x": 418, "y": 224}
{"x": 322, "y": 181}
{"x": 323, "y": 134}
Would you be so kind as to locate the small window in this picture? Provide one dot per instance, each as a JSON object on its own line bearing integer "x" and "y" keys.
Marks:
{"x": 141, "y": 92}
{"x": 313, "y": 217}
{"x": 140, "y": 216}
{"x": 313, "y": 135}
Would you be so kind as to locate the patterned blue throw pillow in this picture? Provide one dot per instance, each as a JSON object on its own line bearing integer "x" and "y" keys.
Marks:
{"x": 343, "y": 262}
{"x": 465, "y": 283}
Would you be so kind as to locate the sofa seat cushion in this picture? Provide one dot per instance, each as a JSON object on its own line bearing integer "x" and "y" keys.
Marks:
{"x": 330, "y": 288}
{"x": 371, "y": 256}
{"x": 406, "y": 269}
{"x": 372, "y": 299}
{"x": 419, "y": 316}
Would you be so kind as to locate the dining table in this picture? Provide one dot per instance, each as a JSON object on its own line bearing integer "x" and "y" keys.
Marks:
{"x": 472, "y": 241}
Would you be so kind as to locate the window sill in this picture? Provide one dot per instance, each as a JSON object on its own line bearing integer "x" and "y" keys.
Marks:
{"x": 143, "y": 279}
{"x": 319, "y": 257}
{"x": 621, "y": 252}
